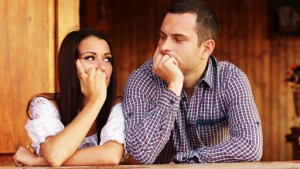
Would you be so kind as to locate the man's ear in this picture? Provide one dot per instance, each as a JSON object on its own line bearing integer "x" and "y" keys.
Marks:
{"x": 208, "y": 47}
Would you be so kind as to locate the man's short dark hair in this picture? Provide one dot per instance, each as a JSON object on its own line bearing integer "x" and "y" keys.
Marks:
{"x": 206, "y": 22}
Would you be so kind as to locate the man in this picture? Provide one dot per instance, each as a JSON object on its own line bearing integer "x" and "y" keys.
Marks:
{"x": 184, "y": 105}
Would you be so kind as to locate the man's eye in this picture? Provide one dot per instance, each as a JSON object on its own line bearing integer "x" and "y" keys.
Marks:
{"x": 162, "y": 37}
{"x": 108, "y": 59}
{"x": 178, "y": 40}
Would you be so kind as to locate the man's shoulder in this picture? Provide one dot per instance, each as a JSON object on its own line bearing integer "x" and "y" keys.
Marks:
{"x": 144, "y": 70}
{"x": 143, "y": 80}
{"x": 226, "y": 68}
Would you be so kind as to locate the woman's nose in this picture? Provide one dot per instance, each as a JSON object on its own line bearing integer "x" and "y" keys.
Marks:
{"x": 101, "y": 65}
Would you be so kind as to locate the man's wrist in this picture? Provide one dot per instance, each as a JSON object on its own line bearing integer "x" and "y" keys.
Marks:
{"x": 175, "y": 87}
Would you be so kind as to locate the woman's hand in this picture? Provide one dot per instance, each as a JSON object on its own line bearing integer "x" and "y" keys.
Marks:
{"x": 23, "y": 157}
{"x": 92, "y": 83}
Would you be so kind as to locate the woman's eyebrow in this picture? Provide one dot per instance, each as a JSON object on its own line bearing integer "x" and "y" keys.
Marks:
{"x": 108, "y": 53}
{"x": 88, "y": 52}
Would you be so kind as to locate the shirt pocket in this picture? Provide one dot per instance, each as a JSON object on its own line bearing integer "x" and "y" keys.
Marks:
{"x": 212, "y": 131}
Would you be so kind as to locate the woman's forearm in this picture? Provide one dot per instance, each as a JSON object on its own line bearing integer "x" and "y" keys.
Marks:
{"x": 109, "y": 153}
{"x": 55, "y": 150}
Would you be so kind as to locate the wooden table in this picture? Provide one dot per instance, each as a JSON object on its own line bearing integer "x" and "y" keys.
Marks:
{"x": 256, "y": 165}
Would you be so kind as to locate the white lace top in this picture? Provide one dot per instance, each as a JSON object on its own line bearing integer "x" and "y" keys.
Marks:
{"x": 45, "y": 121}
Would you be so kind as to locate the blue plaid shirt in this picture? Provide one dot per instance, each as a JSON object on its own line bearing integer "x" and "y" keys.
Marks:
{"x": 220, "y": 123}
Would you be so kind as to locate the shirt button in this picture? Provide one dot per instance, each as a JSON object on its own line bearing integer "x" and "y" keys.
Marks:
{"x": 172, "y": 101}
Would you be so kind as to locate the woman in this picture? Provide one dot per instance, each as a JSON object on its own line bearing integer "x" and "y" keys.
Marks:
{"x": 87, "y": 81}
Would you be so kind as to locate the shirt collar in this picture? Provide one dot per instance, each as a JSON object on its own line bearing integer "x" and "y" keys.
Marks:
{"x": 208, "y": 75}
{"x": 210, "y": 72}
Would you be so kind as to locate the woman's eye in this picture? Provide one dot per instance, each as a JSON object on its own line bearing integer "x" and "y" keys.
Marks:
{"x": 108, "y": 59}
{"x": 89, "y": 58}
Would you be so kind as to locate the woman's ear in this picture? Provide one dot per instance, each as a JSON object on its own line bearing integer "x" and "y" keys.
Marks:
{"x": 208, "y": 47}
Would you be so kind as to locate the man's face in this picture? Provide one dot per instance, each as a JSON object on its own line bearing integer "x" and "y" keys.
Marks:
{"x": 178, "y": 38}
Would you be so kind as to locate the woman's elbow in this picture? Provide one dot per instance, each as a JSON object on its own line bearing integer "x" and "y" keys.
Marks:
{"x": 114, "y": 155}
{"x": 53, "y": 158}
{"x": 53, "y": 161}
{"x": 113, "y": 160}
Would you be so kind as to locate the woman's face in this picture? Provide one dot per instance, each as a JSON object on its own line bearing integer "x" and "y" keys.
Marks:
{"x": 95, "y": 53}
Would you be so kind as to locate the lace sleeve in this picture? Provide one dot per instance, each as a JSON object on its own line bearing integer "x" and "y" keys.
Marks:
{"x": 44, "y": 122}
{"x": 114, "y": 128}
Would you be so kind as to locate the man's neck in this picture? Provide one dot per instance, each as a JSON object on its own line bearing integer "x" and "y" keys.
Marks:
{"x": 191, "y": 80}
{"x": 189, "y": 84}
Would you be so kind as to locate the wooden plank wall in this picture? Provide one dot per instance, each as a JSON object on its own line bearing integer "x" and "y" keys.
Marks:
{"x": 134, "y": 33}
{"x": 31, "y": 32}
{"x": 133, "y": 28}
{"x": 24, "y": 57}
{"x": 245, "y": 41}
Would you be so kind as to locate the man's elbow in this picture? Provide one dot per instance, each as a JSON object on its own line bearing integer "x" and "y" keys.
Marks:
{"x": 255, "y": 155}
{"x": 144, "y": 159}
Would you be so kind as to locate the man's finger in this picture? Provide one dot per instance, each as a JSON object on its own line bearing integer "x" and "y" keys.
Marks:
{"x": 157, "y": 57}
{"x": 164, "y": 59}
{"x": 172, "y": 60}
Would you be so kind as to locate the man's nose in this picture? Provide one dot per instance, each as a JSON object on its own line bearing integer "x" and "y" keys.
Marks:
{"x": 165, "y": 46}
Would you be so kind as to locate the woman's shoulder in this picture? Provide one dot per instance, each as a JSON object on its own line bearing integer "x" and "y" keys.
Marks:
{"x": 114, "y": 127}
{"x": 42, "y": 101}
{"x": 40, "y": 105}
{"x": 117, "y": 105}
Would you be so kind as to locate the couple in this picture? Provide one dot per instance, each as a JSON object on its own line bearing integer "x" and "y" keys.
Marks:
{"x": 182, "y": 106}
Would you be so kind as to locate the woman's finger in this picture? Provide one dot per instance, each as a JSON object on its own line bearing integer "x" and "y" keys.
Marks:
{"x": 16, "y": 161}
{"x": 91, "y": 72}
{"x": 80, "y": 69}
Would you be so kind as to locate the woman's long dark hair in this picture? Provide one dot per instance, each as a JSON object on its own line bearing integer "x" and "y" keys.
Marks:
{"x": 70, "y": 98}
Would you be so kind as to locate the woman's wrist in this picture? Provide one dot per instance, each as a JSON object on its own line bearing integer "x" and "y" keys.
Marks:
{"x": 39, "y": 161}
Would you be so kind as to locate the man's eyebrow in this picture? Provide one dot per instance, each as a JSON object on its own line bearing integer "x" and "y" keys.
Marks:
{"x": 88, "y": 52}
{"x": 179, "y": 35}
{"x": 161, "y": 32}
{"x": 175, "y": 35}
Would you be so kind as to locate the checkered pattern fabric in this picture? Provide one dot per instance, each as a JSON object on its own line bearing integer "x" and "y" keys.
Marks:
{"x": 220, "y": 123}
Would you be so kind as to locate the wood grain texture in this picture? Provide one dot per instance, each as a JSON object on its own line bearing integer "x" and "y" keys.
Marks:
{"x": 28, "y": 41}
{"x": 248, "y": 165}
{"x": 27, "y": 60}
{"x": 24, "y": 65}
{"x": 243, "y": 40}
